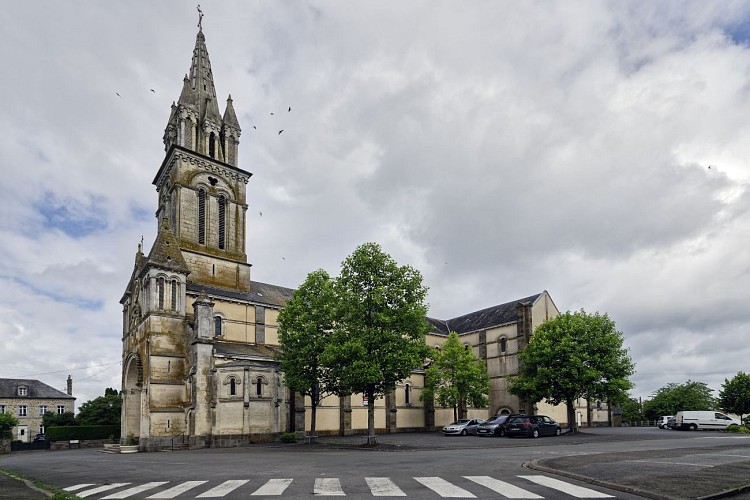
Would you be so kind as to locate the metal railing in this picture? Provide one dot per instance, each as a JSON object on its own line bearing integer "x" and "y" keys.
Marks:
{"x": 181, "y": 435}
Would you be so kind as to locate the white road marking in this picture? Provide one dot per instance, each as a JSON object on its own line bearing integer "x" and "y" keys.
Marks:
{"x": 78, "y": 486}
{"x": 505, "y": 489}
{"x": 273, "y": 487}
{"x": 444, "y": 488}
{"x": 223, "y": 488}
{"x": 100, "y": 489}
{"x": 328, "y": 486}
{"x": 570, "y": 489}
{"x": 135, "y": 490}
{"x": 384, "y": 487}
{"x": 176, "y": 490}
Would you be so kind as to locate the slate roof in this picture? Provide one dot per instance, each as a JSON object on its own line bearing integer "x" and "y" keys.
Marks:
{"x": 260, "y": 293}
{"x": 166, "y": 253}
{"x": 480, "y": 320}
{"x": 242, "y": 349}
{"x": 37, "y": 389}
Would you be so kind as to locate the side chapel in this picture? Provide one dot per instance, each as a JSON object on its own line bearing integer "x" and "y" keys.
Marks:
{"x": 199, "y": 335}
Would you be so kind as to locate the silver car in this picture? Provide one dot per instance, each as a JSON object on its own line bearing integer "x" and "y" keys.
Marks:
{"x": 463, "y": 427}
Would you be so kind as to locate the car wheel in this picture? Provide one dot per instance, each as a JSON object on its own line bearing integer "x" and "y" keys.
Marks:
{"x": 501, "y": 432}
{"x": 463, "y": 432}
{"x": 535, "y": 433}
{"x": 558, "y": 431}
{"x": 693, "y": 427}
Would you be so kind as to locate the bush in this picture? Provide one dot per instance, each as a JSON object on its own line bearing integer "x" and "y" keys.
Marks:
{"x": 83, "y": 432}
{"x": 738, "y": 428}
{"x": 288, "y": 437}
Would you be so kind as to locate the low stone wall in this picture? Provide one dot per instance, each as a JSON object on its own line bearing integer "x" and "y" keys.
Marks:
{"x": 4, "y": 446}
{"x": 66, "y": 445}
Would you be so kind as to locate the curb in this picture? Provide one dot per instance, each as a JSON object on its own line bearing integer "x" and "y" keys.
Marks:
{"x": 28, "y": 484}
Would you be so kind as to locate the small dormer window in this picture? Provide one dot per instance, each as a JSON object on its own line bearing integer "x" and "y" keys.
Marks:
{"x": 23, "y": 391}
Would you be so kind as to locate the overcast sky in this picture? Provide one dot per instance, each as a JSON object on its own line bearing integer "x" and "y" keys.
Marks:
{"x": 596, "y": 150}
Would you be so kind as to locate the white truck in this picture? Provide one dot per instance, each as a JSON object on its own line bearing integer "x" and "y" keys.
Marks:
{"x": 711, "y": 420}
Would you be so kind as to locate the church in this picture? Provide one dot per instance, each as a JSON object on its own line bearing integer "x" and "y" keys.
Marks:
{"x": 200, "y": 336}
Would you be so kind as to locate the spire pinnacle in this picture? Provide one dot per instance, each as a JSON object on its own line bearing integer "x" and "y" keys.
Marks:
{"x": 200, "y": 18}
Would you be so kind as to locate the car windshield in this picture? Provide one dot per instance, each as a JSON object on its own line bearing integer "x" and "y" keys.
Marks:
{"x": 497, "y": 419}
{"x": 518, "y": 419}
{"x": 461, "y": 422}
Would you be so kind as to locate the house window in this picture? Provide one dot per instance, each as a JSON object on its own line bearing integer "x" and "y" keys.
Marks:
{"x": 2, "y": 408}
{"x": 60, "y": 409}
{"x": 41, "y": 429}
{"x": 160, "y": 291}
{"x": 23, "y": 391}
{"x": 217, "y": 326}
{"x": 407, "y": 394}
{"x": 202, "y": 216}
{"x": 232, "y": 387}
{"x": 174, "y": 294}
{"x": 22, "y": 411}
{"x": 222, "y": 220}
{"x": 503, "y": 345}
{"x": 42, "y": 410}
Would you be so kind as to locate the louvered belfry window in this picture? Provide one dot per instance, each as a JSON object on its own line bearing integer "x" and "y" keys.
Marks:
{"x": 174, "y": 295}
{"x": 222, "y": 220}
{"x": 202, "y": 216}
{"x": 160, "y": 289}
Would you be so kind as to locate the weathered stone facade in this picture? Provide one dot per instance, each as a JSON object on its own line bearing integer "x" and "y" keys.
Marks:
{"x": 28, "y": 400}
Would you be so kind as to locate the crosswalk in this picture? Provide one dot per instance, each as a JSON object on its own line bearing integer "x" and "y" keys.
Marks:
{"x": 332, "y": 486}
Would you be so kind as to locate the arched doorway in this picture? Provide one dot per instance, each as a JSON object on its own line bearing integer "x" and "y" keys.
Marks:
{"x": 131, "y": 404}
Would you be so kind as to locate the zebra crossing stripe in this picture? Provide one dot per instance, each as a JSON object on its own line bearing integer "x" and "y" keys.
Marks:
{"x": 444, "y": 488}
{"x": 78, "y": 487}
{"x": 383, "y": 487}
{"x": 100, "y": 489}
{"x": 328, "y": 486}
{"x": 273, "y": 487}
{"x": 570, "y": 489}
{"x": 176, "y": 490}
{"x": 223, "y": 488}
{"x": 134, "y": 490}
{"x": 505, "y": 489}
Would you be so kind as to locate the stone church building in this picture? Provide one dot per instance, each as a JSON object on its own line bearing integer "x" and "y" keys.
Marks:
{"x": 199, "y": 335}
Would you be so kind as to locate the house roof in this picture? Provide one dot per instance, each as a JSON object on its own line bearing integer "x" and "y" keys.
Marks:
{"x": 37, "y": 389}
{"x": 242, "y": 349}
{"x": 501, "y": 314}
{"x": 260, "y": 293}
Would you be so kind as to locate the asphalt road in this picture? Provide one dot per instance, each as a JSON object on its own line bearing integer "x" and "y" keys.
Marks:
{"x": 620, "y": 462}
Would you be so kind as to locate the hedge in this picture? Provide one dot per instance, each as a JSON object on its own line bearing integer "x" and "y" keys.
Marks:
{"x": 82, "y": 432}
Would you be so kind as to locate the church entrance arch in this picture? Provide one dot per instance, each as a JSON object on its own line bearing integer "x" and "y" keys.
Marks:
{"x": 133, "y": 382}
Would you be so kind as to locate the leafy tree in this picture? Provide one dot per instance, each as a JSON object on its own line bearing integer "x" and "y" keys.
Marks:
{"x": 673, "y": 397}
{"x": 380, "y": 325}
{"x": 104, "y": 410}
{"x": 50, "y": 419}
{"x": 7, "y": 422}
{"x": 305, "y": 330}
{"x": 571, "y": 356}
{"x": 631, "y": 410}
{"x": 734, "y": 395}
{"x": 456, "y": 377}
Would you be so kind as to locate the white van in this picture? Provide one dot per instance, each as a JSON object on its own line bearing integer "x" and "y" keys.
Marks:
{"x": 693, "y": 420}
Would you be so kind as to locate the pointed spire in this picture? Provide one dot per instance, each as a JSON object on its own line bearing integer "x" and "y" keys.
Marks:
{"x": 166, "y": 252}
{"x": 202, "y": 89}
{"x": 230, "y": 117}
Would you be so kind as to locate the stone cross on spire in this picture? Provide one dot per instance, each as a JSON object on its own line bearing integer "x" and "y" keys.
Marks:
{"x": 200, "y": 18}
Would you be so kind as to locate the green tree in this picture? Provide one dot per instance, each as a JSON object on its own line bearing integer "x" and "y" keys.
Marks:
{"x": 7, "y": 422}
{"x": 305, "y": 330}
{"x": 673, "y": 397}
{"x": 104, "y": 410}
{"x": 50, "y": 419}
{"x": 456, "y": 378}
{"x": 380, "y": 325}
{"x": 574, "y": 355}
{"x": 734, "y": 395}
{"x": 631, "y": 410}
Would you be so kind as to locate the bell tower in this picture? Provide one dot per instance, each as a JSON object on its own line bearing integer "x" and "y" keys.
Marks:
{"x": 202, "y": 191}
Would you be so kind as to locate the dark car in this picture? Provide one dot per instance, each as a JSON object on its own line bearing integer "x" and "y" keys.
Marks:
{"x": 40, "y": 437}
{"x": 496, "y": 425}
{"x": 532, "y": 426}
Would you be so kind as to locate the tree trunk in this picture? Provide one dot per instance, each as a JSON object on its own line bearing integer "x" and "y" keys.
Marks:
{"x": 455, "y": 413}
{"x": 572, "y": 424}
{"x": 370, "y": 416}
{"x": 314, "y": 400}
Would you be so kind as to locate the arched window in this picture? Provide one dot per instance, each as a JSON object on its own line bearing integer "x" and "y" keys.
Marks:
{"x": 202, "y": 216}
{"x": 222, "y": 220}
{"x": 232, "y": 387}
{"x": 217, "y": 326}
{"x": 407, "y": 394}
{"x": 259, "y": 386}
{"x": 174, "y": 286}
{"x": 503, "y": 345}
{"x": 160, "y": 291}
{"x": 212, "y": 145}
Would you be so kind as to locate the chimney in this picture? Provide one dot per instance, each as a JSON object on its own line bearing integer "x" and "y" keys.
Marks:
{"x": 70, "y": 386}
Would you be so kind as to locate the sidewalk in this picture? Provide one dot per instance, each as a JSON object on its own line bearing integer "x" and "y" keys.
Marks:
{"x": 18, "y": 489}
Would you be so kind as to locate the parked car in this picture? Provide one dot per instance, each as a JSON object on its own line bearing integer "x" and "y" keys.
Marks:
{"x": 671, "y": 423}
{"x": 40, "y": 437}
{"x": 663, "y": 421}
{"x": 532, "y": 426}
{"x": 463, "y": 427}
{"x": 495, "y": 426}
{"x": 694, "y": 420}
